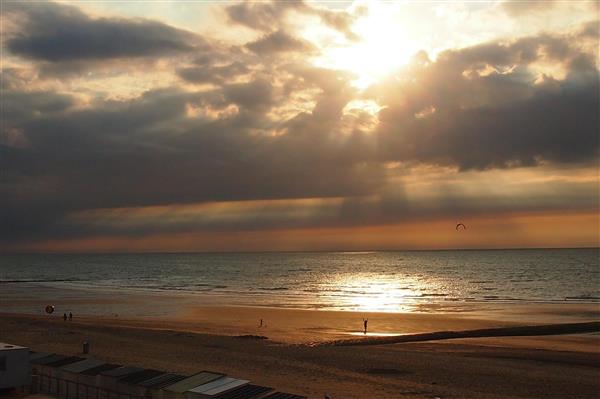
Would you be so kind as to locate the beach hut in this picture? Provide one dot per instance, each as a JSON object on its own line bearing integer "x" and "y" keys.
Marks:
{"x": 179, "y": 389}
{"x": 68, "y": 377}
{"x": 108, "y": 380}
{"x": 14, "y": 366}
{"x": 92, "y": 376}
{"x": 38, "y": 371}
{"x": 249, "y": 391}
{"x": 33, "y": 370}
{"x": 42, "y": 364}
{"x": 215, "y": 387}
{"x": 153, "y": 387}
{"x": 89, "y": 380}
{"x": 129, "y": 385}
{"x": 47, "y": 369}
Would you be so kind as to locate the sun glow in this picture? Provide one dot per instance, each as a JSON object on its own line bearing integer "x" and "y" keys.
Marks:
{"x": 370, "y": 293}
{"x": 382, "y": 46}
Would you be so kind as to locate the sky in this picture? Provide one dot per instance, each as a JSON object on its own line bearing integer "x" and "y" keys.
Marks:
{"x": 290, "y": 125}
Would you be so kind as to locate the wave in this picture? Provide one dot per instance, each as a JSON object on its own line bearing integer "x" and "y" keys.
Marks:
{"x": 582, "y": 297}
{"x": 51, "y": 280}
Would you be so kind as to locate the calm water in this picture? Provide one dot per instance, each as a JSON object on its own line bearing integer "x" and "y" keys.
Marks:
{"x": 367, "y": 281}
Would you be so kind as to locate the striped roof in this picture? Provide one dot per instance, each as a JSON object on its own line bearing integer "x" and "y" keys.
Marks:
{"x": 162, "y": 381}
{"x": 140, "y": 376}
{"x": 99, "y": 369}
{"x": 121, "y": 372}
{"x": 193, "y": 381}
{"x": 245, "y": 392}
{"x": 220, "y": 385}
{"x": 82, "y": 365}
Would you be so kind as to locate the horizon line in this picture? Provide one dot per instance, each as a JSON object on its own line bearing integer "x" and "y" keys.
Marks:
{"x": 150, "y": 252}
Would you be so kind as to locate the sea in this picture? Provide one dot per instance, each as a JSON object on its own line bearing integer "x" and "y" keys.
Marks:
{"x": 371, "y": 281}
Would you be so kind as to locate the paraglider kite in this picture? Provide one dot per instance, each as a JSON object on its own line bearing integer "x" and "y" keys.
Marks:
{"x": 49, "y": 309}
{"x": 459, "y": 225}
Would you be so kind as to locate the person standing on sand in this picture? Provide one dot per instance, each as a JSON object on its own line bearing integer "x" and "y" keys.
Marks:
{"x": 365, "y": 323}
{"x": 64, "y": 316}
{"x": 70, "y": 316}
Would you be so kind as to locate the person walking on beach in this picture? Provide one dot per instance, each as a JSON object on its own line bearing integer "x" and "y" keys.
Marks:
{"x": 365, "y": 323}
{"x": 261, "y": 323}
{"x": 70, "y": 316}
{"x": 64, "y": 316}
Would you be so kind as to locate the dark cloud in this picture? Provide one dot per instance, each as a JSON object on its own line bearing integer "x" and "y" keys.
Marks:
{"x": 213, "y": 74}
{"x": 279, "y": 42}
{"x": 269, "y": 16}
{"x": 264, "y": 16}
{"x": 591, "y": 30}
{"x": 481, "y": 107}
{"x": 148, "y": 151}
{"x": 220, "y": 65}
{"x": 256, "y": 95}
{"x": 60, "y": 33}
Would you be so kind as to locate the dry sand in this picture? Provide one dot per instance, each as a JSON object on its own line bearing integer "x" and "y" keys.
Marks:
{"x": 203, "y": 337}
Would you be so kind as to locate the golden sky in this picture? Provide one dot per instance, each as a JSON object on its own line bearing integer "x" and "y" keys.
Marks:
{"x": 290, "y": 125}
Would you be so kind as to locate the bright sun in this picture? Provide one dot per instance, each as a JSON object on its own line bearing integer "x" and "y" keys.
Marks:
{"x": 382, "y": 47}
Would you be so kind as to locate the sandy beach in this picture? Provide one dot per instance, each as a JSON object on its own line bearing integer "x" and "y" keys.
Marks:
{"x": 211, "y": 337}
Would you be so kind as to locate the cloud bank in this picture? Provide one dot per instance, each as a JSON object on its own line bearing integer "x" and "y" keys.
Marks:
{"x": 259, "y": 122}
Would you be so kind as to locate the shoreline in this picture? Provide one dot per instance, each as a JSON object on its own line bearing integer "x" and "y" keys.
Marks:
{"x": 201, "y": 313}
{"x": 413, "y": 302}
{"x": 412, "y": 305}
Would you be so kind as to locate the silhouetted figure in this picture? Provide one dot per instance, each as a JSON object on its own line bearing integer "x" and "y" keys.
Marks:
{"x": 365, "y": 323}
{"x": 327, "y": 396}
{"x": 70, "y": 316}
{"x": 261, "y": 323}
{"x": 64, "y": 316}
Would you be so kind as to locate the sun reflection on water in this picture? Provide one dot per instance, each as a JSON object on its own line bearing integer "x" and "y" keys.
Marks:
{"x": 377, "y": 293}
